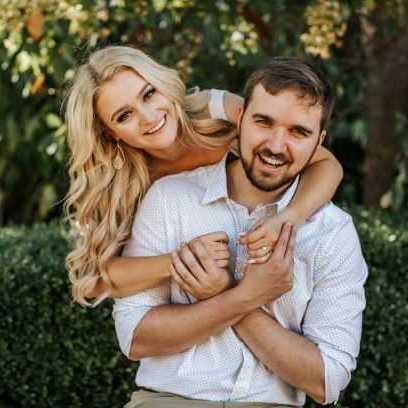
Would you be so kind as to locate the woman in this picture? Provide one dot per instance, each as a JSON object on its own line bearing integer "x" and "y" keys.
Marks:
{"x": 130, "y": 122}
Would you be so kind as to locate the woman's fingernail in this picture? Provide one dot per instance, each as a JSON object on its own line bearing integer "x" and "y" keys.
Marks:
{"x": 251, "y": 261}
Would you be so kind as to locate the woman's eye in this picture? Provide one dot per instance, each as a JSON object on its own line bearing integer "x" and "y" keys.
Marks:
{"x": 149, "y": 93}
{"x": 123, "y": 116}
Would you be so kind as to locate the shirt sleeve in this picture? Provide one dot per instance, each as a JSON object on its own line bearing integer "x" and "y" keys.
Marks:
{"x": 216, "y": 104}
{"x": 149, "y": 237}
{"x": 333, "y": 319}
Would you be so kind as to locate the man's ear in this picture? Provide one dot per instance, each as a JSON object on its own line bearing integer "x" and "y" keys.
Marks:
{"x": 322, "y": 137}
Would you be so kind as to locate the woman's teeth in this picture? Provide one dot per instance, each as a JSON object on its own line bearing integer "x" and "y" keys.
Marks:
{"x": 270, "y": 161}
{"x": 157, "y": 127}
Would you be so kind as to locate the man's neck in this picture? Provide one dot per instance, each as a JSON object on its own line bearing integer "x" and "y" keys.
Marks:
{"x": 242, "y": 191}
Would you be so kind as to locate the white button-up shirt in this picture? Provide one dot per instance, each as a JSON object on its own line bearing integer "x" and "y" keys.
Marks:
{"x": 325, "y": 304}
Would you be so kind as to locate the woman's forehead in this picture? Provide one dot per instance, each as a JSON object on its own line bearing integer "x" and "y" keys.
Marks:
{"x": 121, "y": 89}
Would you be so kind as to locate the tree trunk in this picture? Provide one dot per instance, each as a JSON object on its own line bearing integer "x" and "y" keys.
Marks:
{"x": 387, "y": 83}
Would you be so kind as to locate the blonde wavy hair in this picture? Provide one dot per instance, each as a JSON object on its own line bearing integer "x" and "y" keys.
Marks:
{"x": 101, "y": 201}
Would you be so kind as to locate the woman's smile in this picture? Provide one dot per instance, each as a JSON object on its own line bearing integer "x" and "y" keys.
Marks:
{"x": 158, "y": 126}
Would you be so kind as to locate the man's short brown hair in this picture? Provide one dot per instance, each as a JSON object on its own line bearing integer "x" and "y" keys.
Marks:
{"x": 281, "y": 74}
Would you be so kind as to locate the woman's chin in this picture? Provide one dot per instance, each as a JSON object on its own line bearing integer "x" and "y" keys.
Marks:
{"x": 163, "y": 145}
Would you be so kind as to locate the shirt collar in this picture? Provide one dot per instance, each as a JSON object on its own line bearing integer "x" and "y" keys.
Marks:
{"x": 216, "y": 182}
{"x": 216, "y": 186}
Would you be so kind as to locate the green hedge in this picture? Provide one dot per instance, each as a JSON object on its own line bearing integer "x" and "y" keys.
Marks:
{"x": 56, "y": 354}
{"x": 53, "y": 353}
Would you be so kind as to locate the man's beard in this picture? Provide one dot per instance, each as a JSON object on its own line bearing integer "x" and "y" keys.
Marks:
{"x": 271, "y": 183}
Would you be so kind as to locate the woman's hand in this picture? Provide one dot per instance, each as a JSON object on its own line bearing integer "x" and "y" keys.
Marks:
{"x": 262, "y": 237}
{"x": 264, "y": 283}
{"x": 201, "y": 266}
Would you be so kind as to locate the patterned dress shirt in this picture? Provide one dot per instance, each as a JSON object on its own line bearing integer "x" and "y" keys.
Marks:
{"x": 325, "y": 304}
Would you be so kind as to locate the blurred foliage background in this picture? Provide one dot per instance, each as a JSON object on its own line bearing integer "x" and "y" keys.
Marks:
{"x": 62, "y": 355}
{"x": 362, "y": 44}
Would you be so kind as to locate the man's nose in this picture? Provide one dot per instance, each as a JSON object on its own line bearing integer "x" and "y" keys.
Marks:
{"x": 277, "y": 140}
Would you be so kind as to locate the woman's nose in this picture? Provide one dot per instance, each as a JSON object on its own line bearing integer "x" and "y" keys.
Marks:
{"x": 148, "y": 116}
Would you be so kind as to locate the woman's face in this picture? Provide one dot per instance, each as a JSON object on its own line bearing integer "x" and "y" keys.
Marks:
{"x": 136, "y": 113}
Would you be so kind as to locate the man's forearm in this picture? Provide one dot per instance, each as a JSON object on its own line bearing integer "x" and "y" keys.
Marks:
{"x": 290, "y": 356}
{"x": 171, "y": 329}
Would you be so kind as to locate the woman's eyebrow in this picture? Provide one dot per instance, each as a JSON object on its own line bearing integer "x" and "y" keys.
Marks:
{"x": 127, "y": 105}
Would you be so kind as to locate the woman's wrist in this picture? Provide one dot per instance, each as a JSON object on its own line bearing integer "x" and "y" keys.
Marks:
{"x": 168, "y": 262}
{"x": 292, "y": 216}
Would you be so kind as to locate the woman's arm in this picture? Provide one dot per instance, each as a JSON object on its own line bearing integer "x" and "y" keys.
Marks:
{"x": 317, "y": 186}
{"x": 217, "y": 104}
{"x": 232, "y": 104}
{"x": 130, "y": 275}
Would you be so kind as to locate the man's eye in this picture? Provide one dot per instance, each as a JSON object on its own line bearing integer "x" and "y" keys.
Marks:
{"x": 299, "y": 133}
{"x": 261, "y": 121}
{"x": 123, "y": 117}
{"x": 149, "y": 93}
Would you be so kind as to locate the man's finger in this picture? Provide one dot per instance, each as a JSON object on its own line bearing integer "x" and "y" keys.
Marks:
{"x": 222, "y": 263}
{"x": 282, "y": 242}
{"x": 191, "y": 262}
{"x": 221, "y": 255}
{"x": 219, "y": 236}
{"x": 182, "y": 270}
{"x": 217, "y": 246}
{"x": 204, "y": 257}
{"x": 179, "y": 280}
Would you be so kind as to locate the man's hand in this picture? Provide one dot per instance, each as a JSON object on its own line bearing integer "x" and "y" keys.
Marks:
{"x": 263, "y": 283}
{"x": 201, "y": 267}
{"x": 216, "y": 244}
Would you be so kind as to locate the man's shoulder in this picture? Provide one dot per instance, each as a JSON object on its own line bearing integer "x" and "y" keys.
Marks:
{"x": 331, "y": 217}
{"x": 329, "y": 223}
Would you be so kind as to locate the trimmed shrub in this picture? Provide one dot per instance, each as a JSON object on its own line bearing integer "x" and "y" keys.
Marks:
{"x": 381, "y": 378}
{"x": 54, "y": 353}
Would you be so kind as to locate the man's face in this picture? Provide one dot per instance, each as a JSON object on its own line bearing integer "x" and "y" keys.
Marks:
{"x": 278, "y": 136}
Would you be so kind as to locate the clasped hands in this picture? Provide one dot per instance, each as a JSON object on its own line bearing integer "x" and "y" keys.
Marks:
{"x": 200, "y": 267}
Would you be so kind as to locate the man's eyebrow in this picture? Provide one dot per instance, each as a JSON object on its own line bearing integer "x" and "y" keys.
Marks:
{"x": 263, "y": 116}
{"x": 128, "y": 106}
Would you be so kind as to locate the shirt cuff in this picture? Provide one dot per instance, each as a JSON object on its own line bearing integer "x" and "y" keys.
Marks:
{"x": 126, "y": 322}
{"x": 216, "y": 104}
{"x": 336, "y": 375}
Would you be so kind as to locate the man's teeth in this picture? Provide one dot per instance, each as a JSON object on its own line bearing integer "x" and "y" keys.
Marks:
{"x": 157, "y": 127}
{"x": 272, "y": 162}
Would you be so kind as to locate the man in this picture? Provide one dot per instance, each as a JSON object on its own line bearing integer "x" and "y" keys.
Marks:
{"x": 273, "y": 337}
